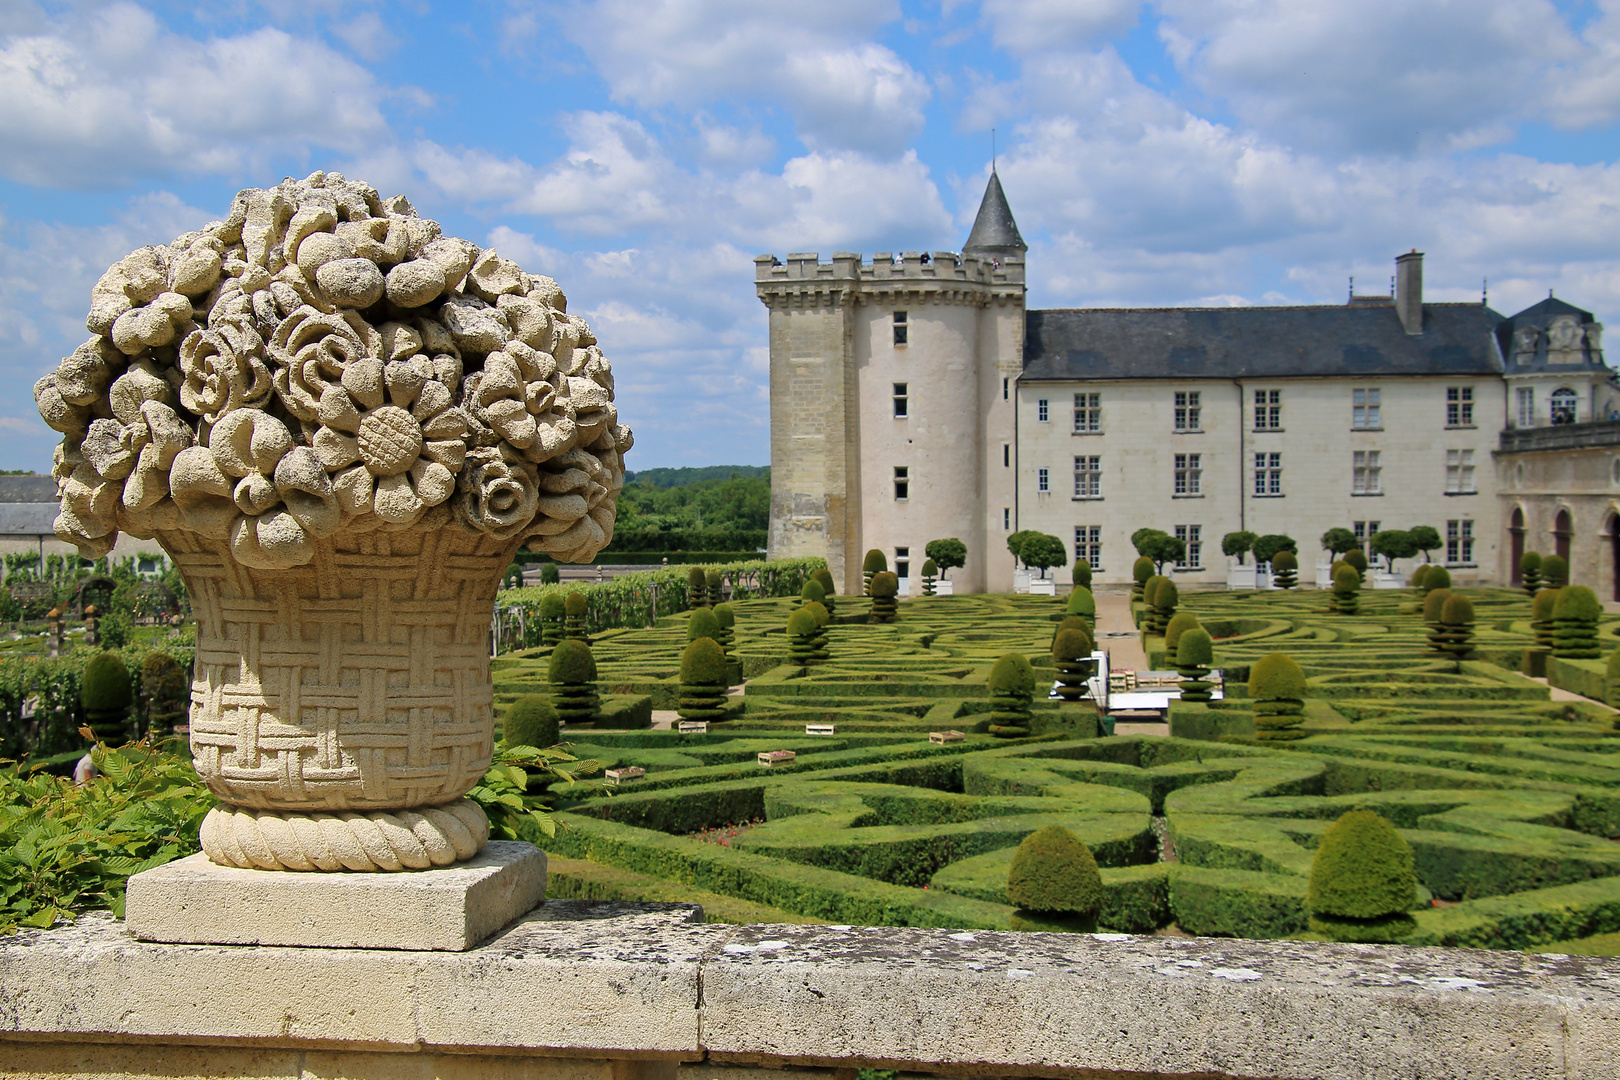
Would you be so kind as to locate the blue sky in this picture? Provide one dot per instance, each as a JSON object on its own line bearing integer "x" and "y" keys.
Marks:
{"x": 644, "y": 151}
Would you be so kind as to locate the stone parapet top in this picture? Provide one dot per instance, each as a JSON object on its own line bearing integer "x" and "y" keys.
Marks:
{"x": 1586, "y": 435}
{"x": 944, "y": 266}
{"x": 621, "y": 981}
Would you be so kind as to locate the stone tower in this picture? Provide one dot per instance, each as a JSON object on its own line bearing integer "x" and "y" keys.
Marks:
{"x": 892, "y": 401}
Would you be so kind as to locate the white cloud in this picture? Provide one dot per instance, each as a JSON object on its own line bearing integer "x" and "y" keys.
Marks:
{"x": 1034, "y": 26}
{"x": 100, "y": 96}
{"x": 367, "y": 35}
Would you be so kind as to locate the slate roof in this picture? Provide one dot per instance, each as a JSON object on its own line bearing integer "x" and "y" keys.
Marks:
{"x": 1257, "y": 342}
{"x": 994, "y": 230}
{"x": 27, "y": 489}
{"x": 27, "y": 520}
{"x": 1541, "y": 316}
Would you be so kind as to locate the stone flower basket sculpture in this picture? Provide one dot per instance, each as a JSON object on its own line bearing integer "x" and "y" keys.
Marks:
{"x": 341, "y": 425}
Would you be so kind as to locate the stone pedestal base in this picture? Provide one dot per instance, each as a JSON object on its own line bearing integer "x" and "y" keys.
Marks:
{"x": 453, "y": 908}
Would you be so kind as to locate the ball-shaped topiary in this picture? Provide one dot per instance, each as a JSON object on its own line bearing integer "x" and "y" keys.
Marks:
{"x": 1012, "y": 686}
{"x": 1437, "y": 577}
{"x": 513, "y": 577}
{"x": 1082, "y": 604}
{"x": 572, "y": 674}
{"x": 823, "y": 577}
{"x": 1530, "y": 572}
{"x": 874, "y": 562}
{"x": 1179, "y": 623}
{"x": 703, "y": 681}
{"x": 574, "y": 606}
{"x": 812, "y": 593}
{"x": 715, "y": 581}
{"x": 1277, "y": 688}
{"x": 530, "y": 721}
{"x": 551, "y": 619}
{"x": 697, "y": 588}
{"x": 1421, "y": 574}
{"x": 1284, "y": 569}
{"x": 1195, "y": 652}
{"x": 1346, "y": 590}
{"x": 1433, "y": 604}
{"x": 702, "y": 623}
{"x": 549, "y": 574}
{"x": 1149, "y": 615}
{"x": 1554, "y": 572}
{"x": 1575, "y": 623}
{"x": 1081, "y": 574}
{"x": 1165, "y": 596}
{"x": 1456, "y": 633}
{"x": 803, "y": 631}
{"x": 1363, "y": 880}
{"x": 930, "y": 574}
{"x": 1358, "y": 559}
{"x": 167, "y": 690}
{"x": 726, "y": 616}
{"x": 1141, "y": 570}
{"x": 1071, "y": 656}
{"x": 1541, "y": 616}
{"x": 106, "y": 695}
{"x": 885, "y": 588}
{"x": 1054, "y": 872}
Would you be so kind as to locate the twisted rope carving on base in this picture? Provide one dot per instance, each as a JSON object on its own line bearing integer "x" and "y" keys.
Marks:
{"x": 398, "y": 840}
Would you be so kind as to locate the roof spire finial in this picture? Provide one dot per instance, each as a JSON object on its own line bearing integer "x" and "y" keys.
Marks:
{"x": 1485, "y": 292}
{"x": 992, "y": 149}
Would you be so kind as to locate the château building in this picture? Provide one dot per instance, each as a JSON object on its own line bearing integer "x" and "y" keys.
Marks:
{"x": 916, "y": 397}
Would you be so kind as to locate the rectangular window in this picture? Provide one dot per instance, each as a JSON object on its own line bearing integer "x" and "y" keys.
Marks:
{"x": 1366, "y": 474}
{"x": 1043, "y": 481}
{"x": 1527, "y": 406}
{"x": 1006, "y": 517}
{"x": 1460, "y": 472}
{"x": 1364, "y": 410}
{"x": 1460, "y": 542}
{"x": 1189, "y": 474}
{"x": 1268, "y": 410}
{"x": 1268, "y": 474}
{"x": 1365, "y": 531}
{"x": 902, "y": 562}
{"x": 902, "y": 482}
{"x": 901, "y": 401}
{"x": 1459, "y": 406}
{"x": 1088, "y": 544}
{"x": 1003, "y": 389}
{"x": 1192, "y": 536}
{"x": 1006, "y": 455}
{"x": 1042, "y": 413}
{"x": 1187, "y": 410}
{"x": 901, "y": 326}
{"x": 1087, "y": 414}
{"x": 1088, "y": 476}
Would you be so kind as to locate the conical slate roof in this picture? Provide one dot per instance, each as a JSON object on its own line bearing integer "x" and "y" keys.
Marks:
{"x": 994, "y": 230}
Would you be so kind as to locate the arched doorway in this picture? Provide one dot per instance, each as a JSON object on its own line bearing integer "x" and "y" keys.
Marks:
{"x": 1563, "y": 529}
{"x": 1515, "y": 545}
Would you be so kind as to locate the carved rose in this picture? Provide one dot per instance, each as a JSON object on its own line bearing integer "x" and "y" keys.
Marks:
{"x": 312, "y": 350}
{"x": 499, "y": 494}
{"x": 224, "y": 369}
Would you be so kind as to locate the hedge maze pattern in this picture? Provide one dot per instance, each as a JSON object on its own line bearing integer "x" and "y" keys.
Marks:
{"x": 1509, "y": 800}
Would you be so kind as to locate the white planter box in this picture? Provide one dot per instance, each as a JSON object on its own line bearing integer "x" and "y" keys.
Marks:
{"x": 1241, "y": 577}
{"x": 1381, "y": 580}
{"x": 943, "y": 587}
{"x": 1020, "y": 581}
{"x": 905, "y": 586}
{"x": 1048, "y": 587}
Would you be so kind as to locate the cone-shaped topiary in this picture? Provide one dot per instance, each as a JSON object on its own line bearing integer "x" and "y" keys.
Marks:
{"x": 1611, "y": 671}
{"x": 1165, "y": 598}
{"x": 572, "y": 675}
{"x": 1554, "y": 572}
{"x": 1358, "y": 559}
{"x": 1530, "y": 572}
{"x": 1362, "y": 880}
{"x": 930, "y": 573}
{"x": 885, "y": 588}
{"x": 1141, "y": 570}
{"x": 1012, "y": 685}
{"x": 574, "y": 617}
{"x": 697, "y": 588}
{"x": 715, "y": 581}
{"x": 1195, "y": 652}
{"x": 872, "y": 564}
{"x": 530, "y": 721}
{"x": 1071, "y": 655}
{"x": 1437, "y": 577}
{"x": 802, "y": 633}
{"x": 1456, "y": 633}
{"x": 1541, "y": 616}
{"x": 702, "y": 622}
{"x": 105, "y": 693}
{"x": 1277, "y": 687}
{"x": 703, "y": 681}
{"x": 823, "y": 577}
{"x": 1179, "y": 623}
{"x": 1575, "y": 623}
{"x": 1346, "y": 590}
{"x": 513, "y": 578}
{"x": 1054, "y": 873}
{"x": 726, "y": 616}
{"x": 167, "y": 691}
{"x": 551, "y": 619}
{"x": 1081, "y": 575}
{"x": 1284, "y": 569}
{"x": 1421, "y": 574}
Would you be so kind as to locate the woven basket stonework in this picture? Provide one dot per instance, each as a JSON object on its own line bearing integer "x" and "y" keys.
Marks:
{"x": 358, "y": 682}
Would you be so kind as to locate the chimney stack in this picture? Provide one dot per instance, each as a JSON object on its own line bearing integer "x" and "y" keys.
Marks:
{"x": 1409, "y": 290}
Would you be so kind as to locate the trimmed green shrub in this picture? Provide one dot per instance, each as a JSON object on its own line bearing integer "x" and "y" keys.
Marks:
{"x": 1284, "y": 569}
{"x": 824, "y": 578}
{"x": 574, "y": 617}
{"x": 1541, "y": 616}
{"x": 874, "y": 562}
{"x": 803, "y": 632}
{"x": 1575, "y": 623}
{"x": 703, "y": 623}
{"x": 1611, "y": 672}
{"x": 1420, "y": 575}
{"x": 1165, "y": 598}
{"x": 1435, "y": 577}
{"x": 1081, "y": 574}
{"x": 549, "y": 573}
{"x": 714, "y": 580}
{"x": 513, "y": 578}
{"x": 1141, "y": 570}
{"x": 930, "y": 573}
{"x": 167, "y": 690}
{"x": 1456, "y": 633}
{"x": 885, "y": 587}
{"x": 1363, "y": 880}
{"x": 1012, "y": 686}
{"x": 1238, "y": 544}
{"x": 1433, "y": 604}
{"x": 106, "y": 695}
{"x": 703, "y": 681}
{"x": 551, "y": 619}
{"x": 530, "y": 721}
{"x": 572, "y": 675}
{"x": 1179, "y": 623}
{"x": 1266, "y": 547}
{"x": 1554, "y": 572}
{"x": 822, "y": 644}
{"x": 820, "y": 612}
{"x": 1084, "y": 605}
{"x": 813, "y": 593}
{"x": 1358, "y": 559}
{"x": 1053, "y": 871}
{"x": 948, "y": 554}
{"x": 697, "y": 588}
{"x": 1346, "y": 590}
{"x": 1530, "y": 572}
{"x": 1071, "y": 656}
{"x": 1277, "y": 688}
{"x": 726, "y": 616}
{"x": 1042, "y": 551}
{"x": 1195, "y": 652}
